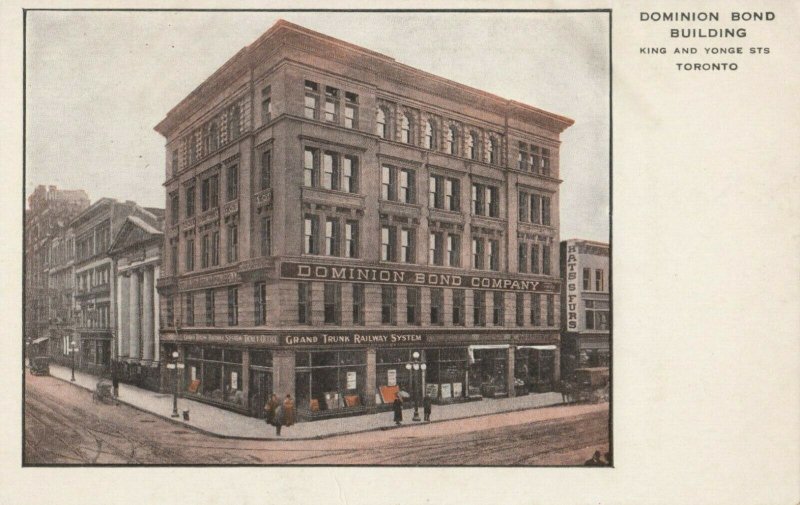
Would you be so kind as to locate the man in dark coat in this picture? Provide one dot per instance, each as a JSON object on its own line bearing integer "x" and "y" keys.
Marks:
{"x": 277, "y": 420}
{"x": 115, "y": 381}
{"x": 397, "y": 406}
{"x": 427, "y": 406}
{"x": 270, "y": 407}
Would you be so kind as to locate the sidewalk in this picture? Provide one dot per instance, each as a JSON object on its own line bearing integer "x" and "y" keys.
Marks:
{"x": 224, "y": 423}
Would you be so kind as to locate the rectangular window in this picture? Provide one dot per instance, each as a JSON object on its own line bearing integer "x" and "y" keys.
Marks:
{"x": 494, "y": 255}
{"x": 388, "y": 185}
{"x": 332, "y": 237}
{"x": 498, "y": 308}
{"x": 311, "y": 167}
{"x": 522, "y": 259}
{"x": 233, "y": 306}
{"x": 260, "y": 300}
{"x": 388, "y": 297}
{"x": 351, "y": 239}
{"x": 407, "y": 245}
{"x": 546, "y": 162}
{"x": 266, "y": 236}
{"x": 175, "y": 166}
{"x": 479, "y": 308}
{"x": 536, "y": 206}
{"x": 232, "y": 182}
{"x": 522, "y": 205}
{"x": 413, "y": 298}
{"x": 350, "y": 174}
{"x": 550, "y": 310}
{"x": 536, "y": 309}
{"x": 522, "y": 159}
{"x": 174, "y": 259}
{"x": 477, "y": 253}
{"x": 546, "y": 210}
{"x": 587, "y": 279}
{"x": 437, "y": 304}
{"x": 389, "y": 243}
{"x": 358, "y": 304}
{"x": 493, "y": 198}
{"x": 598, "y": 280}
{"x": 266, "y": 170}
{"x": 304, "y": 302}
{"x": 189, "y": 309}
{"x": 333, "y": 303}
{"x": 435, "y": 192}
{"x": 545, "y": 259}
{"x": 520, "y": 309}
{"x": 310, "y": 234}
{"x": 331, "y": 104}
{"x": 350, "y": 110}
{"x": 535, "y": 160}
{"x": 205, "y": 246}
{"x": 435, "y": 256}
{"x": 458, "y": 307}
{"x": 233, "y": 243}
{"x": 478, "y": 195}
{"x": 535, "y": 259}
{"x": 190, "y": 255}
{"x": 311, "y": 100}
{"x": 407, "y": 186}
{"x": 189, "y": 200}
{"x": 209, "y": 307}
{"x": 453, "y": 250}
{"x": 215, "y": 248}
{"x": 330, "y": 171}
{"x": 266, "y": 105}
{"x": 452, "y": 194}
{"x": 173, "y": 207}
{"x": 170, "y": 322}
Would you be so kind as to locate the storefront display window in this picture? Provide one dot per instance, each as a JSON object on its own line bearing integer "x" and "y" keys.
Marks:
{"x": 487, "y": 371}
{"x": 446, "y": 374}
{"x": 260, "y": 381}
{"x": 390, "y": 368}
{"x": 330, "y": 380}
{"x": 534, "y": 367}
{"x": 215, "y": 374}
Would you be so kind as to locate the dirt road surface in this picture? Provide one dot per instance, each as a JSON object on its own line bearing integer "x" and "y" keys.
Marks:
{"x": 64, "y": 426}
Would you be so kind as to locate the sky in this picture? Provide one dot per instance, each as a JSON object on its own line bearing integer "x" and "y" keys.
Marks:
{"x": 98, "y": 82}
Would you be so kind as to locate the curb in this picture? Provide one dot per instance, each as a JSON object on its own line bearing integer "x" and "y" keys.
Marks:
{"x": 315, "y": 437}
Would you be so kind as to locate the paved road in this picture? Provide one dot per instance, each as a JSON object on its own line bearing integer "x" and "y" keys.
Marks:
{"x": 62, "y": 425}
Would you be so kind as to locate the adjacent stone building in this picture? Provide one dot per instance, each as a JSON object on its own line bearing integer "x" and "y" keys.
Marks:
{"x": 586, "y": 319}
{"x": 334, "y": 216}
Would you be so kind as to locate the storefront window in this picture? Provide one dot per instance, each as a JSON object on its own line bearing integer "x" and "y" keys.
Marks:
{"x": 391, "y": 370}
{"x": 215, "y": 374}
{"x": 330, "y": 380}
{"x": 534, "y": 368}
{"x": 446, "y": 374}
{"x": 260, "y": 381}
{"x": 487, "y": 372}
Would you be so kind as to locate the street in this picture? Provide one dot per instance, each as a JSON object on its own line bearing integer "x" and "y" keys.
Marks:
{"x": 64, "y": 426}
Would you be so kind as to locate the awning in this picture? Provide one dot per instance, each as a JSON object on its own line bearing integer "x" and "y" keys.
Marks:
{"x": 472, "y": 348}
{"x": 40, "y": 340}
{"x": 538, "y": 347}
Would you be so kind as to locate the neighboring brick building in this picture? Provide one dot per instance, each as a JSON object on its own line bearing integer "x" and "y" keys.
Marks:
{"x": 47, "y": 216}
{"x": 586, "y": 319}
{"x": 331, "y": 211}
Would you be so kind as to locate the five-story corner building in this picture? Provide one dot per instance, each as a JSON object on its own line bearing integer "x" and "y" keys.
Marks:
{"x": 334, "y": 218}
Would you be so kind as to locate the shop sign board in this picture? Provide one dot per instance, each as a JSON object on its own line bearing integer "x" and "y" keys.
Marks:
{"x": 431, "y": 390}
{"x": 572, "y": 286}
{"x": 447, "y": 392}
{"x": 218, "y": 338}
{"x": 391, "y": 377}
{"x": 457, "y": 390}
{"x": 351, "y": 380}
{"x": 307, "y": 271}
{"x": 352, "y": 338}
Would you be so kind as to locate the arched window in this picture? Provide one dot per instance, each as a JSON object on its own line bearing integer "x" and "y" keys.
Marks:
{"x": 491, "y": 151}
{"x": 430, "y": 135}
{"x": 451, "y": 141}
{"x": 213, "y": 133}
{"x": 472, "y": 145}
{"x": 380, "y": 123}
{"x": 405, "y": 129}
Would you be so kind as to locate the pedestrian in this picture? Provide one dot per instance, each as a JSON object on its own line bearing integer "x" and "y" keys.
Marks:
{"x": 115, "y": 381}
{"x": 427, "y": 406}
{"x": 595, "y": 461}
{"x": 270, "y": 407}
{"x": 277, "y": 420}
{"x": 397, "y": 406}
{"x": 288, "y": 411}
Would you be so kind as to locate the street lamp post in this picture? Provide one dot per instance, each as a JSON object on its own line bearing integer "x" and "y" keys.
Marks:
{"x": 73, "y": 348}
{"x": 175, "y": 365}
{"x": 416, "y": 367}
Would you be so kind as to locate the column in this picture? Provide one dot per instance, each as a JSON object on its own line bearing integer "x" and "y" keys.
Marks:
{"x": 124, "y": 321}
{"x": 557, "y": 366}
{"x": 370, "y": 387}
{"x": 135, "y": 323}
{"x": 512, "y": 351}
{"x": 147, "y": 329}
{"x": 283, "y": 373}
{"x": 246, "y": 378}
{"x": 156, "y": 318}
